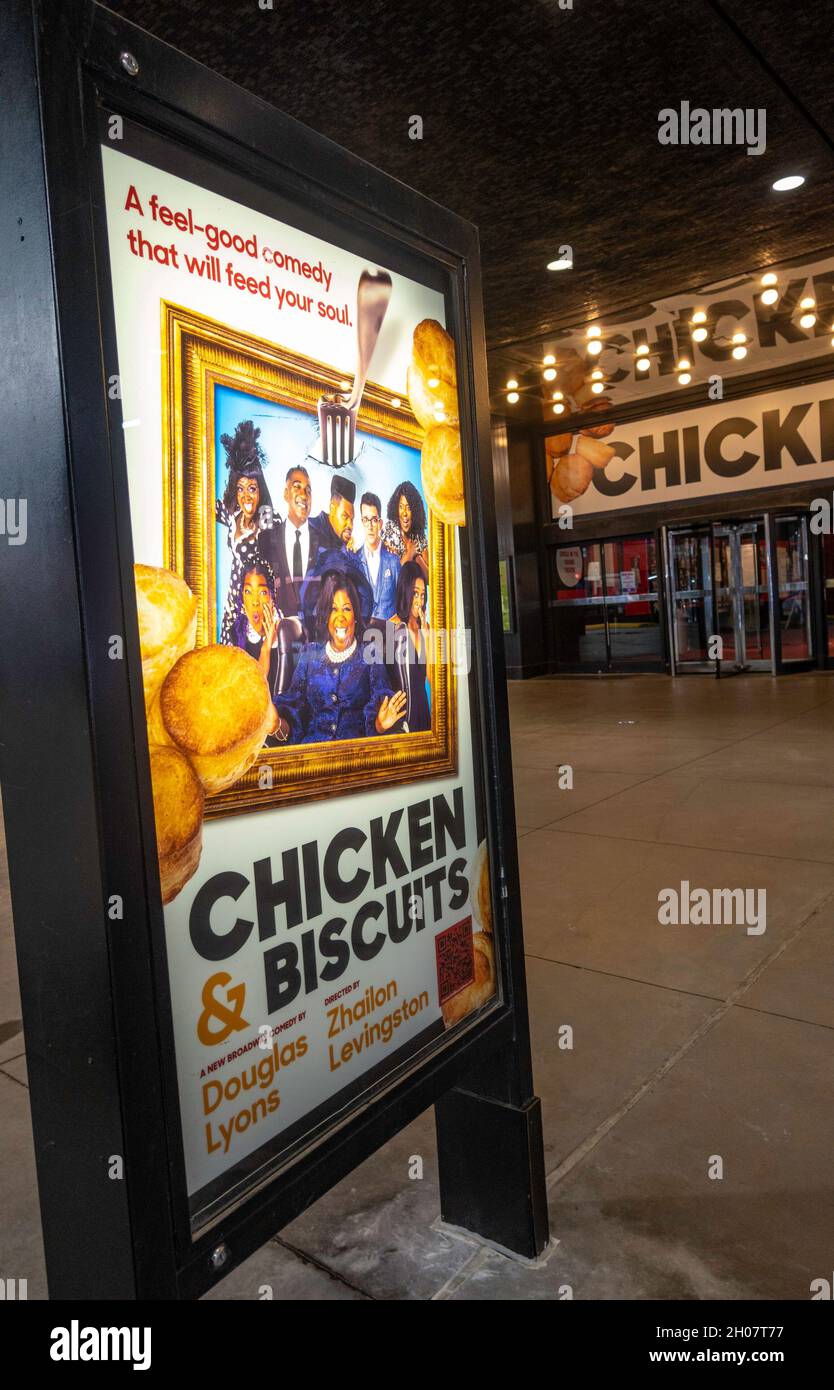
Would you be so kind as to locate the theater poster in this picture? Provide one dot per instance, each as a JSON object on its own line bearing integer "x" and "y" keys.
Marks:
{"x": 299, "y": 524}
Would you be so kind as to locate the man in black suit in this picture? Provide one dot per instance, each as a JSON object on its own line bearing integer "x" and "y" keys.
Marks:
{"x": 291, "y": 546}
{"x": 335, "y": 526}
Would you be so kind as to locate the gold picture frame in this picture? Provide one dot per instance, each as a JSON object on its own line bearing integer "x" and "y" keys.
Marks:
{"x": 199, "y": 354}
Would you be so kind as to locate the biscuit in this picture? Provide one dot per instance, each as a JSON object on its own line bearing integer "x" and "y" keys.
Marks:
{"x": 435, "y": 349}
{"x": 570, "y": 477}
{"x": 481, "y": 990}
{"x": 178, "y": 803}
{"x": 432, "y": 405}
{"x": 557, "y": 444}
{"x": 479, "y": 888}
{"x": 167, "y": 613}
{"x": 215, "y": 708}
{"x": 597, "y": 453}
{"x": 599, "y": 431}
{"x": 442, "y": 475}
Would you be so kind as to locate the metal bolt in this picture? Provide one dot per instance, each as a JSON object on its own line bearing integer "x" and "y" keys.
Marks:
{"x": 219, "y": 1256}
{"x": 129, "y": 63}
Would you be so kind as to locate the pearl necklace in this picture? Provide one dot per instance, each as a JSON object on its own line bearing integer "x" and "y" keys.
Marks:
{"x": 338, "y": 657}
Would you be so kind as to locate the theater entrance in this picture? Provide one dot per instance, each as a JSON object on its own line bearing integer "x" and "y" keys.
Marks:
{"x": 745, "y": 582}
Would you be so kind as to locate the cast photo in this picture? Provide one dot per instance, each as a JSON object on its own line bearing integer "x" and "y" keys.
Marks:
{"x": 298, "y": 639}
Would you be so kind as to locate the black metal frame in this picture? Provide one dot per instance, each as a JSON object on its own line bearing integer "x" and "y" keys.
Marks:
{"x": 97, "y": 1010}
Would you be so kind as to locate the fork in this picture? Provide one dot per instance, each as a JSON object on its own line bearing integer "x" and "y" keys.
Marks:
{"x": 337, "y": 412}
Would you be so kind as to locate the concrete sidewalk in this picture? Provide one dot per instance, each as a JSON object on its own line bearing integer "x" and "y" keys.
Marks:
{"x": 690, "y": 1043}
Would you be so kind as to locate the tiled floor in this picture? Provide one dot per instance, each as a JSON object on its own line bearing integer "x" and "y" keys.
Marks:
{"x": 692, "y": 1044}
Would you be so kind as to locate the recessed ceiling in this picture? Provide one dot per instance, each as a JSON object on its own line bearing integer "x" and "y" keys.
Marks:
{"x": 541, "y": 126}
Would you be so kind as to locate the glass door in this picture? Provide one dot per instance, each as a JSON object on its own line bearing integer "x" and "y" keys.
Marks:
{"x": 606, "y": 605}
{"x": 793, "y": 593}
{"x": 691, "y": 607}
{"x": 742, "y": 593}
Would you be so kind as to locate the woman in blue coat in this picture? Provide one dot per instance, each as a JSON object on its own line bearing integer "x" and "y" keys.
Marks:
{"x": 335, "y": 693}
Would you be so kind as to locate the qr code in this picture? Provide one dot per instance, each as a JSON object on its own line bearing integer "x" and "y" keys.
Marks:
{"x": 455, "y": 959}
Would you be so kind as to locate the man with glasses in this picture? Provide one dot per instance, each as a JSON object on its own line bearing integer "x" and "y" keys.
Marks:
{"x": 382, "y": 569}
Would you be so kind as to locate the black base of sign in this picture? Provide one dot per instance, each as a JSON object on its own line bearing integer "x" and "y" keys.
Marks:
{"x": 491, "y": 1161}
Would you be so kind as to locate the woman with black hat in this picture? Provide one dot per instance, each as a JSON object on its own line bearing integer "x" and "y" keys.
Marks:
{"x": 239, "y": 511}
{"x": 335, "y": 692}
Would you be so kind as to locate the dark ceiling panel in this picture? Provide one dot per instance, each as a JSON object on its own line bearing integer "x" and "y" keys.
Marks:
{"x": 540, "y": 125}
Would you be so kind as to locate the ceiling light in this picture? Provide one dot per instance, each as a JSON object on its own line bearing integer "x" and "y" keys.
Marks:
{"x": 684, "y": 379}
{"x": 512, "y": 397}
{"x": 684, "y": 364}
{"x": 549, "y": 360}
{"x": 512, "y": 384}
{"x": 699, "y": 334}
{"x": 558, "y": 408}
{"x": 699, "y": 316}
{"x": 549, "y": 374}
{"x": 739, "y": 352}
{"x": 770, "y": 296}
{"x": 595, "y": 347}
{"x": 807, "y": 320}
{"x": 769, "y": 278}
{"x": 643, "y": 364}
{"x": 597, "y": 387}
{"x": 558, "y": 395}
{"x": 642, "y": 349}
{"x": 594, "y": 331}
{"x": 788, "y": 182}
{"x": 597, "y": 374}
{"x": 739, "y": 336}
{"x": 808, "y": 302}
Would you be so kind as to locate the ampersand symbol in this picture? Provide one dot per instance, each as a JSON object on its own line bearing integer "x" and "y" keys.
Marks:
{"x": 231, "y": 1020}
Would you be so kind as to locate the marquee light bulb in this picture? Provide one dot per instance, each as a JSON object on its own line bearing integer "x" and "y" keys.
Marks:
{"x": 739, "y": 352}
{"x": 597, "y": 374}
{"x": 512, "y": 397}
{"x": 433, "y": 382}
{"x": 512, "y": 384}
{"x": 642, "y": 350}
{"x": 699, "y": 316}
{"x": 396, "y": 402}
{"x": 558, "y": 408}
{"x": 684, "y": 364}
{"x": 595, "y": 347}
{"x": 549, "y": 360}
{"x": 558, "y": 395}
{"x": 643, "y": 364}
{"x": 739, "y": 337}
{"x": 770, "y": 296}
{"x": 769, "y": 278}
{"x": 699, "y": 334}
{"x": 807, "y": 320}
{"x": 594, "y": 331}
{"x": 684, "y": 378}
{"x": 549, "y": 373}
{"x": 597, "y": 387}
{"x": 808, "y": 302}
